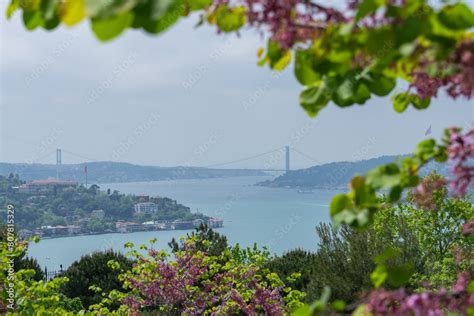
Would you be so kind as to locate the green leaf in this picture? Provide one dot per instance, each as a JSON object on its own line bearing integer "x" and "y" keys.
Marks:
{"x": 339, "y": 203}
{"x": 283, "y": 61}
{"x": 230, "y": 19}
{"x": 128, "y": 245}
{"x": 32, "y": 19}
{"x": 108, "y": 28}
{"x": 400, "y": 275}
{"x": 457, "y": 16}
{"x": 161, "y": 8}
{"x": 367, "y": 7}
{"x": 441, "y": 154}
{"x": 276, "y": 57}
{"x": 426, "y": 149}
{"x": 303, "y": 68}
{"x": 343, "y": 89}
{"x": 314, "y": 99}
{"x": 304, "y": 310}
{"x": 418, "y": 103}
{"x": 401, "y": 102}
{"x": 361, "y": 93}
{"x": 108, "y": 8}
{"x": 338, "y": 305}
{"x": 386, "y": 176}
{"x": 157, "y": 16}
{"x": 411, "y": 28}
{"x": 51, "y": 24}
{"x": 29, "y": 5}
{"x": 395, "y": 193}
{"x": 12, "y": 7}
{"x": 48, "y": 8}
{"x": 379, "y": 275}
{"x": 196, "y": 5}
{"x": 380, "y": 85}
{"x": 381, "y": 41}
{"x": 339, "y": 56}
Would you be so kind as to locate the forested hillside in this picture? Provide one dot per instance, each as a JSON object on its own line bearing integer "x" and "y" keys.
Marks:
{"x": 336, "y": 175}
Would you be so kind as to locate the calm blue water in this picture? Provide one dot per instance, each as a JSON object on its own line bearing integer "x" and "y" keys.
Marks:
{"x": 280, "y": 219}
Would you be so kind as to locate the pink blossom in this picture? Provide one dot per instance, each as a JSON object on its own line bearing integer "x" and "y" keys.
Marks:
{"x": 461, "y": 153}
{"x": 399, "y": 302}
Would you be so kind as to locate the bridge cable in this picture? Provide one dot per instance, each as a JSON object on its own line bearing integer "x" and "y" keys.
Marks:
{"x": 79, "y": 155}
{"x": 243, "y": 159}
{"x": 305, "y": 155}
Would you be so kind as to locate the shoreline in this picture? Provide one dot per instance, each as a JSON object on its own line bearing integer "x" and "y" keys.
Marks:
{"x": 115, "y": 232}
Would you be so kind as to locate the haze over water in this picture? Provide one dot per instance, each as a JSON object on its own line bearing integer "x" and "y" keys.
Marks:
{"x": 279, "y": 218}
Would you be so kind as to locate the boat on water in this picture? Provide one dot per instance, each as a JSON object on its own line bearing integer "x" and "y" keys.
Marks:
{"x": 305, "y": 191}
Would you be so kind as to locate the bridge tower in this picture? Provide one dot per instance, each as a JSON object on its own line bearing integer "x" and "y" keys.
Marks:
{"x": 58, "y": 157}
{"x": 59, "y": 161}
{"x": 287, "y": 167}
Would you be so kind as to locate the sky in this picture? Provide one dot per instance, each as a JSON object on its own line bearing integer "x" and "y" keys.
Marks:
{"x": 187, "y": 97}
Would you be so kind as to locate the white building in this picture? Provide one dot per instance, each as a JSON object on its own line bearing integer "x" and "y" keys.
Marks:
{"x": 146, "y": 208}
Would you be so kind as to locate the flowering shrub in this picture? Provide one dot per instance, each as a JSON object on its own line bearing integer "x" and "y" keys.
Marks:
{"x": 460, "y": 300}
{"x": 195, "y": 283}
{"x": 461, "y": 153}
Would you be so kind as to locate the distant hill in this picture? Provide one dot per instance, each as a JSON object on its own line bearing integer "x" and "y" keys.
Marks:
{"x": 335, "y": 175}
{"x": 104, "y": 172}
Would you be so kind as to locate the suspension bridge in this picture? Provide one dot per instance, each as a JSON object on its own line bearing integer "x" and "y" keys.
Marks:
{"x": 273, "y": 157}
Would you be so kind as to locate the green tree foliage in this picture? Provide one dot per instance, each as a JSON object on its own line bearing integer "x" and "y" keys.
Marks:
{"x": 22, "y": 261}
{"x": 30, "y": 296}
{"x": 345, "y": 259}
{"x": 206, "y": 240}
{"x": 343, "y": 262}
{"x": 436, "y": 227}
{"x": 93, "y": 270}
{"x": 297, "y": 262}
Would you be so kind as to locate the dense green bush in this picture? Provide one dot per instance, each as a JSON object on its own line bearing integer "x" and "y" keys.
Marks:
{"x": 294, "y": 261}
{"x": 92, "y": 270}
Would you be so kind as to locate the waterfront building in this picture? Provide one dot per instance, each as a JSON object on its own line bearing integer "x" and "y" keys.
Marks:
{"x": 128, "y": 227}
{"x": 61, "y": 230}
{"x": 45, "y": 186}
{"x": 215, "y": 223}
{"x": 198, "y": 222}
{"x": 146, "y": 208}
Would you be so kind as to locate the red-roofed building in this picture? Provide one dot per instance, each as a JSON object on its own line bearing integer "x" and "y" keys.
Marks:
{"x": 45, "y": 186}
